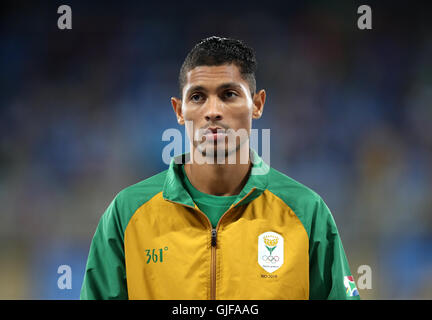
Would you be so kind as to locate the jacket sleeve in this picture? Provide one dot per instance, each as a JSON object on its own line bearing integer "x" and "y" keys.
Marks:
{"x": 105, "y": 274}
{"x": 329, "y": 273}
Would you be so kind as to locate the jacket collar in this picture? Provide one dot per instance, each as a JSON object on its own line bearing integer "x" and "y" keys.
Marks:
{"x": 173, "y": 189}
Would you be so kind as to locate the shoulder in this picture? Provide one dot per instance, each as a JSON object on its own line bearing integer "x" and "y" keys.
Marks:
{"x": 307, "y": 205}
{"x": 290, "y": 190}
{"x": 128, "y": 200}
{"x": 143, "y": 190}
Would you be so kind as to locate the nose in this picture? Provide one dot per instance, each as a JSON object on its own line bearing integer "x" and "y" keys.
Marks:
{"x": 213, "y": 110}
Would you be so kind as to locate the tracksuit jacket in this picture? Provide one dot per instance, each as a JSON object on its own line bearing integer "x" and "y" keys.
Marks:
{"x": 278, "y": 240}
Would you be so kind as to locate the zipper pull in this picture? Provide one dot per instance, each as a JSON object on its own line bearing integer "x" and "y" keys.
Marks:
{"x": 213, "y": 237}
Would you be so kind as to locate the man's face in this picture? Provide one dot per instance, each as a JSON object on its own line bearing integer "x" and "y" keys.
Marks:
{"x": 217, "y": 108}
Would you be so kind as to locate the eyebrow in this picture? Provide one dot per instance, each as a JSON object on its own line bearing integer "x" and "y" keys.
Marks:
{"x": 227, "y": 85}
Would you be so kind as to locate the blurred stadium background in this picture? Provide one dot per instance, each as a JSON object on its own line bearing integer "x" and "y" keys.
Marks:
{"x": 83, "y": 112}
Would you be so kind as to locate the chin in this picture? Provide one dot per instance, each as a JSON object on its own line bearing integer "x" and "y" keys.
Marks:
{"x": 223, "y": 152}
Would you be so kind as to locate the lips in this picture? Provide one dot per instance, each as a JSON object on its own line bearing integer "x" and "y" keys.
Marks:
{"x": 214, "y": 134}
{"x": 214, "y": 130}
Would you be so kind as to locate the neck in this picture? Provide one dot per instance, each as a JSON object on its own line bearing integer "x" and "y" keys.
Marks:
{"x": 220, "y": 179}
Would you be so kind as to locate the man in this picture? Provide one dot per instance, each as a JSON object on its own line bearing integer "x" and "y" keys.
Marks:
{"x": 219, "y": 223}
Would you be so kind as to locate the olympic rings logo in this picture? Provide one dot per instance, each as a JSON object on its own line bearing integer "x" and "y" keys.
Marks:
{"x": 271, "y": 259}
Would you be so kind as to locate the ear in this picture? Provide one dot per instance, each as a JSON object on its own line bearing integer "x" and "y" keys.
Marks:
{"x": 177, "y": 106}
{"x": 258, "y": 104}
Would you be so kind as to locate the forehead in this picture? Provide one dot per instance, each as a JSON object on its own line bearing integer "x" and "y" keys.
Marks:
{"x": 214, "y": 75}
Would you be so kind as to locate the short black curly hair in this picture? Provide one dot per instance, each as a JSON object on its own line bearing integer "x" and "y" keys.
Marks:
{"x": 216, "y": 51}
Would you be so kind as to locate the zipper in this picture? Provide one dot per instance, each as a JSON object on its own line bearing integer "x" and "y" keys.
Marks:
{"x": 214, "y": 232}
{"x": 213, "y": 237}
{"x": 213, "y": 242}
{"x": 213, "y": 265}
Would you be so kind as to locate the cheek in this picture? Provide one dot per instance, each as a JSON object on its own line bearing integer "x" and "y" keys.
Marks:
{"x": 189, "y": 129}
{"x": 237, "y": 115}
{"x": 243, "y": 109}
{"x": 187, "y": 113}
{"x": 241, "y": 118}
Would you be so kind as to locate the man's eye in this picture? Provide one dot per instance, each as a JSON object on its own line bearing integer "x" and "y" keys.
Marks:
{"x": 230, "y": 94}
{"x": 195, "y": 97}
